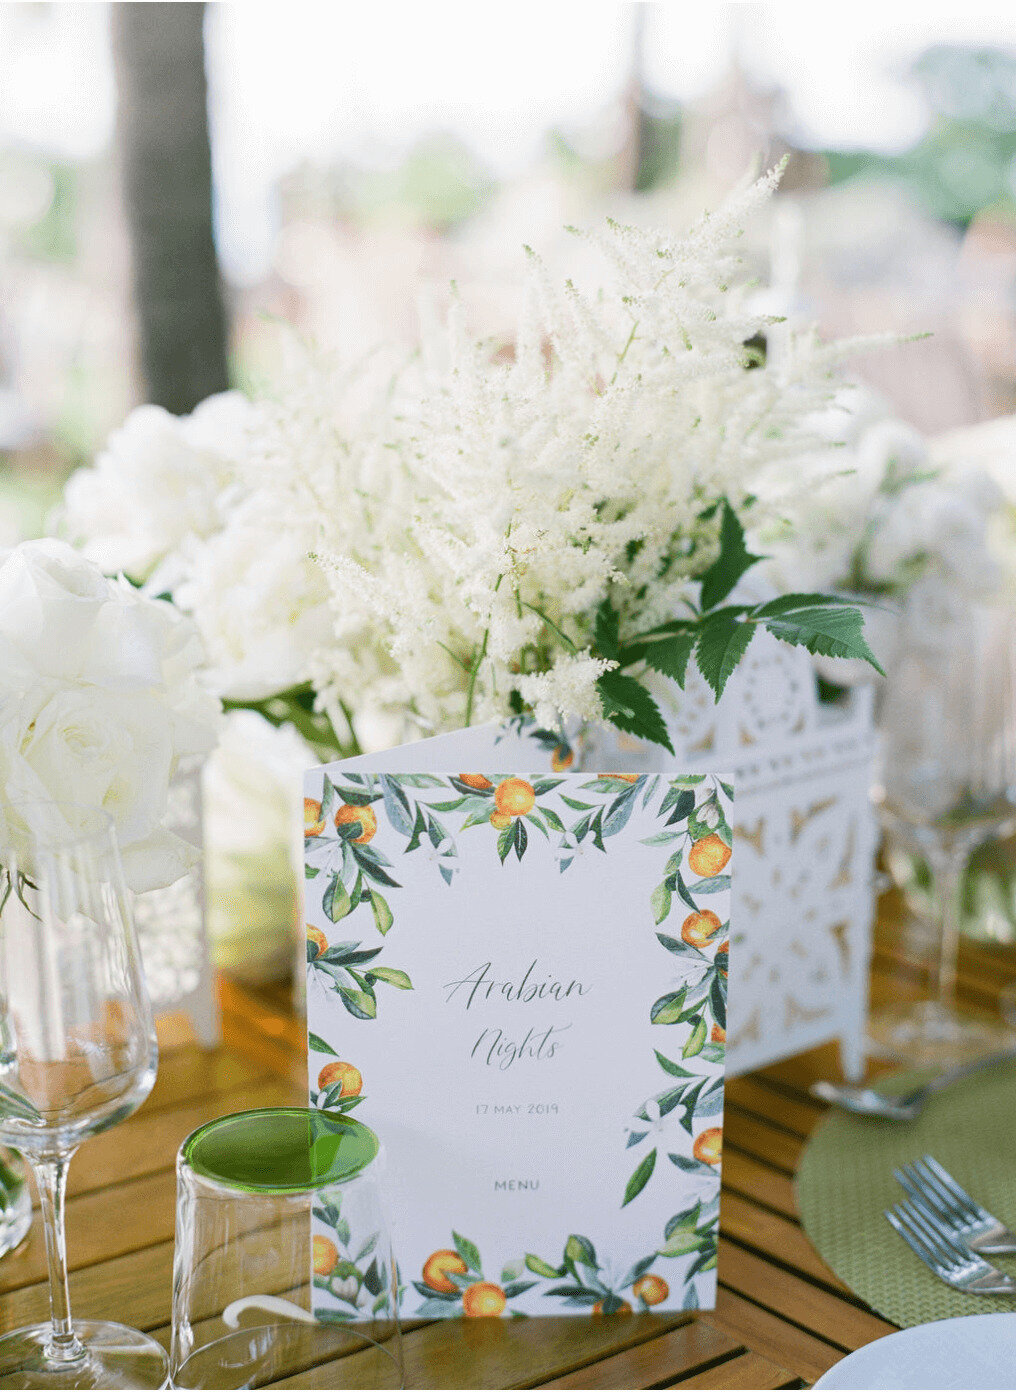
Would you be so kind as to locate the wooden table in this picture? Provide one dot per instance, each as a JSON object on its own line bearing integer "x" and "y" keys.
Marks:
{"x": 782, "y": 1318}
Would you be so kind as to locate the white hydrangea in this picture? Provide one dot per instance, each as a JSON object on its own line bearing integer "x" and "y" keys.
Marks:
{"x": 252, "y": 794}
{"x": 891, "y": 517}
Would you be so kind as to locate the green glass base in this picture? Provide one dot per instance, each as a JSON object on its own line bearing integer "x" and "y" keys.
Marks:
{"x": 280, "y": 1150}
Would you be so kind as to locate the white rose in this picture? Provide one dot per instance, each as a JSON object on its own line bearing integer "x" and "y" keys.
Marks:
{"x": 60, "y": 618}
{"x": 99, "y": 700}
{"x": 50, "y": 602}
{"x": 96, "y": 749}
{"x": 160, "y": 480}
{"x": 220, "y": 425}
{"x": 261, "y": 606}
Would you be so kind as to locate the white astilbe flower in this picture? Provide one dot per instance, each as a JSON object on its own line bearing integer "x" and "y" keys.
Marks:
{"x": 569, "y": 685}
{"x": 503, "y": 491}
{"x": 469, "y": 507}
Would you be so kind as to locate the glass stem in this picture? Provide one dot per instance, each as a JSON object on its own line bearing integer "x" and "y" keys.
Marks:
{"x": 948, "y": 869}
{"x": 51, "y": 1178}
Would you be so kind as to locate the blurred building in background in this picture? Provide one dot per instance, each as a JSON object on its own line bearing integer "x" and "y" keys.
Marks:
{"x": 362, "y": 164}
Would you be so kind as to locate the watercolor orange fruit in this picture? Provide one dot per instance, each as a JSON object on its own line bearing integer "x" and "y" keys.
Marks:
{"x": 315, "y": 936}
{"x": 500, "y": 820}
{"x": 364, "y": 815}
{"x": 514, "y": 797}
{"x": 709, "y": 855}
{"x": 708, "y": 1145}
{"x": 475, "y": 780}
{"x": 347, "y": 1073}
{"x": 562, "y": 758}
{"x": 313, "y": 822}
{"x": 325, "y": 1255}
{"x": 718, "y": 1034}
{"x": 698, "y": 928}
{"x": 651, "y": 1289}
{"x": 483, "y": 1299}
{"x": 624, "y": 777}
{"x": 436, "y": 1267}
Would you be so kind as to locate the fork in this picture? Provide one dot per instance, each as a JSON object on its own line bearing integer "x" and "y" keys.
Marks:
{"x": 929, "y": 1182}
{"x": 945, "y": 1255}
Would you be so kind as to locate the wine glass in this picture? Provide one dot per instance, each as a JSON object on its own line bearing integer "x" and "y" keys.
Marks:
{"x": 947, "y": 783}
{"x": 283, "y": 1271}
{"x": 77, "y": 1055}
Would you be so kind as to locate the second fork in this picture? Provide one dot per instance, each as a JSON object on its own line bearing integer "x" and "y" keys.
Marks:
{"x": 933, "y": 1186}
{"x": 946, "y": 1256}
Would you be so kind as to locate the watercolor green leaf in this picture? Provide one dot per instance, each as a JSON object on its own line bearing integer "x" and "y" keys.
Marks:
{"x": 579, "y": 1249}
{"x": 336, "y": 902}
{"x": 468, "y": 1251}
{"x": 383, "y": 916}
{"x": 695, "y": 1040}
{"x": 393, "y": 976}
{"x": 640, "y": 1178}
{"x": 667, "y": 1010}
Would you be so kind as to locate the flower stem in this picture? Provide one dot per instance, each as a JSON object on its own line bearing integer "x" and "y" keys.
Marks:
{"x": 551, "y": 624}
{"x": 354, "y": 739}
{"x": 624, "y": 351}
{"x": 471, "y": 691}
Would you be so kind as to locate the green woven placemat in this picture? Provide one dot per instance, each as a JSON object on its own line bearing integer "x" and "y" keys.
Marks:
{"x": 845, "y": 1181}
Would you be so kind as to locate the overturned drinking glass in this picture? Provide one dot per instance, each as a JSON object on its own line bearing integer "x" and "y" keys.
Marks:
{"x": 284, "y": 1272}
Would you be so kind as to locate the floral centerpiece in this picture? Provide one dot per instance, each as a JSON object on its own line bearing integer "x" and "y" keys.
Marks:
{"x": 486, "y": 529}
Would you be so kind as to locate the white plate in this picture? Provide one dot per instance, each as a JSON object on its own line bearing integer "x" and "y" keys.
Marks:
{"x": 976, "y": 1351}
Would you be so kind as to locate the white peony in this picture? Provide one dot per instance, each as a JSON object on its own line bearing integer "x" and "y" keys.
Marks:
{"x": 260, "y": 604}
{"x": 99, "y": 700}
{"x": 160, "y": 481}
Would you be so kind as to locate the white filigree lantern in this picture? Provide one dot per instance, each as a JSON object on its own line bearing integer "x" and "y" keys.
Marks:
{"x": 171, "y": 922}
{"x": 803, "y": 896}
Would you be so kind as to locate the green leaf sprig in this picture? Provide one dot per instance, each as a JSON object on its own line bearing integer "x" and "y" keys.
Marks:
{"x": 718, "y": 636}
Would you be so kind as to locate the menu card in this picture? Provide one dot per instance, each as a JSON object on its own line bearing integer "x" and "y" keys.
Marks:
{"x": 517, "y": 977}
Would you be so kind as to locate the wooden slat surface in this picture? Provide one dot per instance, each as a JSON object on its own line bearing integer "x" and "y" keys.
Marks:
{"x": 782, "y": 1318}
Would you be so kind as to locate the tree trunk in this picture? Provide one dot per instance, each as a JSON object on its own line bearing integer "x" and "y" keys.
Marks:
{"x": 165, "y": 157}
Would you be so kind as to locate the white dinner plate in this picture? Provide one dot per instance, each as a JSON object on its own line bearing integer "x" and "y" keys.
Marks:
{"x": 976, "y": 1351}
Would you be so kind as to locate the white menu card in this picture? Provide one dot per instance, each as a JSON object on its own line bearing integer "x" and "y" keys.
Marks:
{"x": 517, "y": 977}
